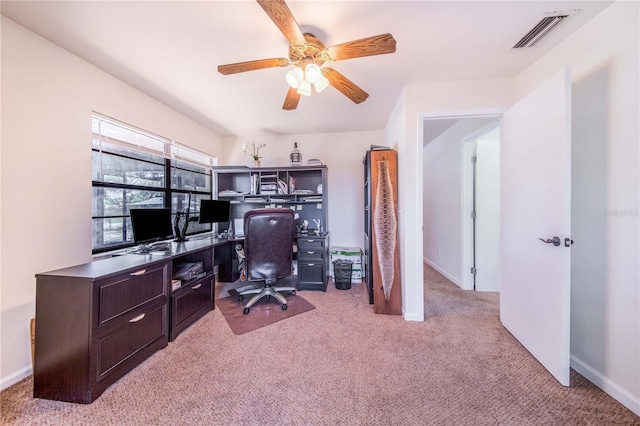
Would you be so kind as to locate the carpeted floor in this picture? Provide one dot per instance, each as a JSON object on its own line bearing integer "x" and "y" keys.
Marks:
{"x": 340, "y": 364}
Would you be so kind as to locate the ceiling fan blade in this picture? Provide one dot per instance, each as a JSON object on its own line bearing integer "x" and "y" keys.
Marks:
{"x": 292, "y": 99}
{"x": 252, "y": 65}
{"x": 376, "y": 45}
{"x": 344, "y": 85}
{"x": 280, "y": 14}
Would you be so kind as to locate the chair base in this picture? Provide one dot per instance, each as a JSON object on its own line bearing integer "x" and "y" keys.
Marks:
{"x": 259, "y": 293}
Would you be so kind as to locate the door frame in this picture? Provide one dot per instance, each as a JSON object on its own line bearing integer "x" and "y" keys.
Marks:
{"x": 457, "y": 114}
{"x": 466, "y": 202}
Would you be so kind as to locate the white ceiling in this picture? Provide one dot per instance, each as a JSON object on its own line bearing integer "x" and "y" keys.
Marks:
{"x": 171, "y": 50}
{"x": 435, "y": 127}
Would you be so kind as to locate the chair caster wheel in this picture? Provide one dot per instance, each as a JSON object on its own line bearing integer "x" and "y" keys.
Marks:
{"x": 284, "y": 306}
{"x": 293, "y": 293}
{"x": 246, "y": 311}
{"x": 240, "y": 298}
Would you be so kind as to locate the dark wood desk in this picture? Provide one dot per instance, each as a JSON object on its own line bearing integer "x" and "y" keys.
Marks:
{"x": 97, "y": 321}
{"x": 312, "y": 256}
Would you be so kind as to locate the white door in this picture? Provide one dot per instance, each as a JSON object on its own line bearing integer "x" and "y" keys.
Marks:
{"x": 488, "y": 211}
{"x": 535, "y": 202}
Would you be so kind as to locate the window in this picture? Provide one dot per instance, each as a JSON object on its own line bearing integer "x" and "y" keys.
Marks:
{"x": 132, "y": 168}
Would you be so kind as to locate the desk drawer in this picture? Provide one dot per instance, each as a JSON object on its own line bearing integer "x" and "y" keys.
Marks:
{"x": 190, "y": 300}
{"x": 310, "y": 255}
{"x": 123, "y": 343}
{"x": 123, "y": 293}
{"x": 310, "y": 244}
{"x": 309, "y": 272}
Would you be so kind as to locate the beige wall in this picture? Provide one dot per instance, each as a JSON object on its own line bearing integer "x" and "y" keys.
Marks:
{"x": 48, "y": 96}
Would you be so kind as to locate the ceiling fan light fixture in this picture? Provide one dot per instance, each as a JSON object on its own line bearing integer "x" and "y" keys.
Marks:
{"x": 304, "y": 88}
{"x": 312, "y": 73}
{"x": 295, "y": 77}
{"x": 308, "y": 55}
{"x": 321, "y": 84}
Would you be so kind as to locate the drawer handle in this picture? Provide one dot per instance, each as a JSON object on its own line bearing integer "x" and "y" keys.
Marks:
{"x": 140, "y": 272}
{"x": 195, "y": 287}
{"x": 309, "y": 241}
{"x": 311, "y": 264}
{"x": 310, "y": 252}
{"x": 138, "y": 318}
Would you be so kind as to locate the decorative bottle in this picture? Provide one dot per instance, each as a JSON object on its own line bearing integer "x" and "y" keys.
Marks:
{"x": 295, "y": 156}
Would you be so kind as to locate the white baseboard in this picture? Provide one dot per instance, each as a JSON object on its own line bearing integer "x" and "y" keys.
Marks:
{"x": 444, "y": 273}
{"x": 14, "y": 378}
{"x": 412, "y": 317}
{"x": 607, "y": 385}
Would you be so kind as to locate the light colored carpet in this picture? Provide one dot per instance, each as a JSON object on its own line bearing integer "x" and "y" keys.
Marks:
{"x": 340, "y": 364}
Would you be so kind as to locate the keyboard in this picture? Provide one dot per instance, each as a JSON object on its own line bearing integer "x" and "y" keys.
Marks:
{"x": 163, "y": 246}
{"x": 156, "y": 248}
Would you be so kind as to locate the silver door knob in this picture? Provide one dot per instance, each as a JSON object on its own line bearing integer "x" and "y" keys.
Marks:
{"x": 555, "y": 241}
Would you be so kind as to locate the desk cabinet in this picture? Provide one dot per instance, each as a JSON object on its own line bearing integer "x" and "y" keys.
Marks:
{"x": 97, "y": 321}
{"x": 189, "y": 303}
{"x": 312, "y": 262}
{"x": 195, "y": 296}
{"x": 226, "y": 259}
{"x": 90, "y": 331}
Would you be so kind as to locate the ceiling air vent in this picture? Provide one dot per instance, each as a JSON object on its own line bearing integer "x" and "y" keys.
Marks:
{"x": 541, "y": 29}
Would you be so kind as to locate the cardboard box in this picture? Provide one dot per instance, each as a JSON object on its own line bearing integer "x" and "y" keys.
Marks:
{"x": 354, "y": 254}
{"x": 356, "y": 274}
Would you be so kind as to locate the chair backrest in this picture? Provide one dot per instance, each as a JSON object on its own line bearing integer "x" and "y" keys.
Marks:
{"x": 268, "y": 243}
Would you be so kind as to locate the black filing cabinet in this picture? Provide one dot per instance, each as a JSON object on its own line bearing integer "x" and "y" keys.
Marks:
{"x": 312, "y": 262}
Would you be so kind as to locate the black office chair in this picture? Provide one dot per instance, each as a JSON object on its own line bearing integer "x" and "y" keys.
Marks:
{"x": 268, "y": 250}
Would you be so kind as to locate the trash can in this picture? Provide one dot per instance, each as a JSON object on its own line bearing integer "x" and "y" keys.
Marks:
{"x": 342, "y": 274}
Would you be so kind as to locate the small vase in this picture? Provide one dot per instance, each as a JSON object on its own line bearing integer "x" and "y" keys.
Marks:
{"x": 256, "y": 163}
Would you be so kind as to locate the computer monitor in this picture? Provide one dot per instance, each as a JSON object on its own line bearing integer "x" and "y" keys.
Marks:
{"x": 214, "y": 211}
{"x": 151, "y": 224}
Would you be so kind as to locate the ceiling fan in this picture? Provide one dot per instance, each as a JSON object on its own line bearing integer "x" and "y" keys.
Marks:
{"x": 308, "y": 54}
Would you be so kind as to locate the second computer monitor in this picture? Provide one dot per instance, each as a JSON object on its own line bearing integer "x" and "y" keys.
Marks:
{"x": 214, "y": 211}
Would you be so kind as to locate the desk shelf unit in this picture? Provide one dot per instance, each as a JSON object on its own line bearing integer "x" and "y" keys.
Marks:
{"x": 301, "y": 188}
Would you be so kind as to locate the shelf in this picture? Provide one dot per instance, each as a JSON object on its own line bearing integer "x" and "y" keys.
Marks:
{"x": 229, "y": 193}
{"x": 193, "y": 280}
{"x": 268, "y": 199}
